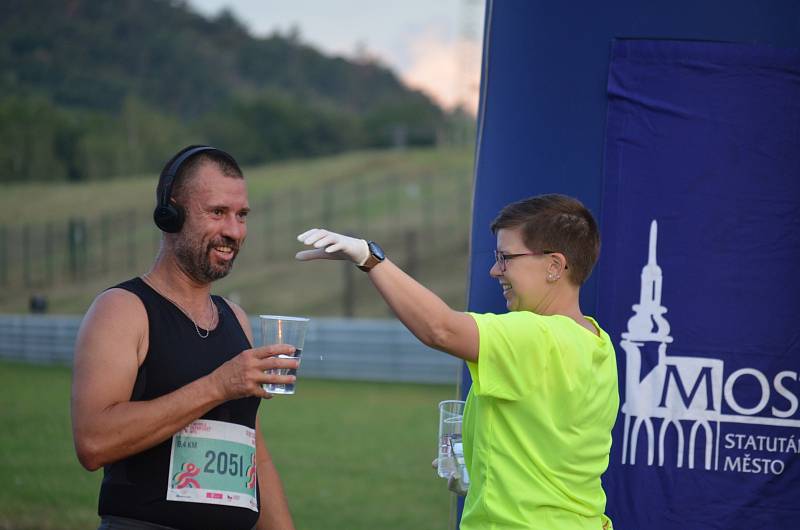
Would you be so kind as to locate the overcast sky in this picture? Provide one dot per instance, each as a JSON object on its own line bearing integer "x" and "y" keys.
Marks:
{"x": 433, "y": 45}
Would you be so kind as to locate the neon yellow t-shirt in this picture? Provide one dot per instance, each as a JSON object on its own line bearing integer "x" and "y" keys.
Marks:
{"x": 537, "y": 424}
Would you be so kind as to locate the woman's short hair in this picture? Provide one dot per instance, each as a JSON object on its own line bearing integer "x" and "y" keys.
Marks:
{"x": 557, "y": 223}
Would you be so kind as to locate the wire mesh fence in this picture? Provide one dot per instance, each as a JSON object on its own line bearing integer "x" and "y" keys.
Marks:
{"x": 424, "y": 220}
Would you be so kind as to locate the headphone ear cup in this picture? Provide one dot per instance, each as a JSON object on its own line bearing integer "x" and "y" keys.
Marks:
{"x": 169, "y": 218}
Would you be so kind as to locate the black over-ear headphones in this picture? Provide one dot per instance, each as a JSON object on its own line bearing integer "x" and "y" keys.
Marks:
{"x": 169, "y": 217}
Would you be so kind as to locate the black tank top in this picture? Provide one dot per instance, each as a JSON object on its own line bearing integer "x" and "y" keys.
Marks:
{"x": 135, "y": 487}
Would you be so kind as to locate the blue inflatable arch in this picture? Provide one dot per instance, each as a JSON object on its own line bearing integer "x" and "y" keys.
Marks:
{"x": 546, "y": 111}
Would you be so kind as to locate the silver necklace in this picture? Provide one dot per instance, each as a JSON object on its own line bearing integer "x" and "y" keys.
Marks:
{"x": 214, "y": 312}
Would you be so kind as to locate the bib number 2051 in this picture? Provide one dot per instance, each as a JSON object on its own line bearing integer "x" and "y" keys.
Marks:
{"x": 223, "y": 463}
{"x": 213, "y": 462}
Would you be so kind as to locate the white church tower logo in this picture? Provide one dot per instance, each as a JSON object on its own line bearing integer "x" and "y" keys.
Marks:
{"x": 681, "y": 397}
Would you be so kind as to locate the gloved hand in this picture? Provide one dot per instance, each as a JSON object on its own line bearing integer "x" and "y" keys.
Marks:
{"x": 330, "y": 245}
{"x": 455, "y": 482}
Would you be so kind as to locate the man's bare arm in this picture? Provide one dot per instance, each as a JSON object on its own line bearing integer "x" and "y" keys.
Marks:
{"x": 106, "y": 425}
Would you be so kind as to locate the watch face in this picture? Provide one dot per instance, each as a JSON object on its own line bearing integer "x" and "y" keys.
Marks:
{"x": 376, "y": 250}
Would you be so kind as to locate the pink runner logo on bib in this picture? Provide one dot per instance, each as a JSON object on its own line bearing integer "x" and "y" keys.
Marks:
{"x": 185, "y": 479}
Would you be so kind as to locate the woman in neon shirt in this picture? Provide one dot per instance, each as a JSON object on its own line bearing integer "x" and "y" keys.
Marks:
{"x": 538, "y": 419}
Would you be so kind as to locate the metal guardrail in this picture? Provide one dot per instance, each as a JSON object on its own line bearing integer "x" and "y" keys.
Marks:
{"x": 335, "y": 348}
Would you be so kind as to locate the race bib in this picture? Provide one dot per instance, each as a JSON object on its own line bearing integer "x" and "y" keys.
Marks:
{"x": 213, "y": 462}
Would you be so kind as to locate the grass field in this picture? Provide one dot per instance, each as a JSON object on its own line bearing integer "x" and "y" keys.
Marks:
{"x": 352, "y": 455}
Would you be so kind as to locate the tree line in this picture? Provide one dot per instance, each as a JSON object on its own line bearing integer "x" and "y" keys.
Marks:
{"x": 91, "y": 89}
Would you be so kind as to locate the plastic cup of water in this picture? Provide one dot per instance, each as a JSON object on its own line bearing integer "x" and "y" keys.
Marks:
{"x": 451, "y": 413}
{"x": 283, "y": 330}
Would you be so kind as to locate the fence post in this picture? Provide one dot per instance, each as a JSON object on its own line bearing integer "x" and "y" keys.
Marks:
{"x": 104, "y": 244}
{"x": 412, "y": 260}
{"x": 391, "y": 187}
{"x": 466, "y": 202}
{"x": 361, "y": 200}
{"x": 428, "y": 207}
{"x": 268, "y": 226}
{"x": 48, "y": 253}
{"x": 328, "y": 205}
{"x": 131, "y": 240}
{"x": 3, "y": 255}
{"x": 77, "y": 247}
{"x": 26, "y": 255}
{"x": 297, "y": 211}
{"x": 348, "y": 290}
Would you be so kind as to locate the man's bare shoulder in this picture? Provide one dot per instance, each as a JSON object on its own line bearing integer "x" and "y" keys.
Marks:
{"x": 117, "y": 303}
{"x": 115, "y": 317}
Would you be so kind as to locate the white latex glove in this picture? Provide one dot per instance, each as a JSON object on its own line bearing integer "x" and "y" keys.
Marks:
{"x": 330, "y": 245}
{"x": 455, "y": 482}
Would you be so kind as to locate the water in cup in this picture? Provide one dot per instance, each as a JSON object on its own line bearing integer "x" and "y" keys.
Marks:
{"x": 283, "y": 330}
{"x": 287, "y": 388}
{"x": 447, "y": 461}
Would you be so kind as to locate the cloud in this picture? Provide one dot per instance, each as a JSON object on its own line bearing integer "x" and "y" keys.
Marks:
{"x": 449, "y": 71}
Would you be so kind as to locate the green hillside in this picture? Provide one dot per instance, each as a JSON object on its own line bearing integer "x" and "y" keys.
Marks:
{"x": 92, "y": 89}
{"x": 70, "y": 241}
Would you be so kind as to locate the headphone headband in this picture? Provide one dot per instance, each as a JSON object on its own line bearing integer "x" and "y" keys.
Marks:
{"x": 169, "y": 217}
{"x": 168, "y": 177}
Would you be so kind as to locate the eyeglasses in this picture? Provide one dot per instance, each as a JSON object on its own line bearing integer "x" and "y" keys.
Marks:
{"x": 501, "y": 258}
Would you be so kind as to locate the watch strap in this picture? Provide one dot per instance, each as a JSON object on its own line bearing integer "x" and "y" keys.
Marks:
{"x": 375, "y": 256}
{"x": 372, "y": 260}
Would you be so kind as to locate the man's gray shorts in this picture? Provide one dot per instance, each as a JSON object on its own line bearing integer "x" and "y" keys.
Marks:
{"x": 111, "y": 522}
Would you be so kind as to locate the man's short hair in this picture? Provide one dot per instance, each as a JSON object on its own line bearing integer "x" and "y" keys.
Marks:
{"x": 225, "y": 162}
{"x": 558, "y": 223}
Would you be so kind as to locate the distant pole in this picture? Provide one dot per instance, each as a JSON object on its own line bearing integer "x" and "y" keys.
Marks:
{"x": 361, "y": 199}
{"x": 77, "y": 247}
{"x": 269, "y": 227}
{"x": 466, "y": 195}
{"x": 391, "y": 191}
{"x": 328, "y": 204}
{"x": 48, "y": 253}
{"x": 348, "y": 292}
{"x": 131, "y": 240}
{"x": 428, "y": 206}
{"x": 297, "y": 207}
{"x": 26, "y": 255}
{"x": 104, "y": 243}
{"x": 412, "y": 259}
{"x": 3, "y": 255}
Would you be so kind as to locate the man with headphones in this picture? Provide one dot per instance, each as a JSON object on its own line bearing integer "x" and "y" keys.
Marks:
{"x": 167, "y": 383}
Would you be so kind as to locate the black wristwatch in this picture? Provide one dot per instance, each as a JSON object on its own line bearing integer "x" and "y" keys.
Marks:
{"x": 376, "y": 255}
